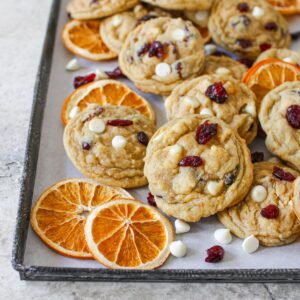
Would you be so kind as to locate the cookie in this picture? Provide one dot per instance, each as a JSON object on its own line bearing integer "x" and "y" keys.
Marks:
{"x": 161, "y": 53}
{"x": 93, "y": 9}
{"x": 219, "y": 96}
{"x": 279, "y": 116}
{"x": 108, "y": 144}
{"x": 197, "y": 166}
{"x": 248, "y": 28}
{"x": 182, "y": 4}
{"x": 286, "y": 55}
{"x": 115, "y": 29}
{"x": 223, "y": 65}
{"x": 267, "y": 211}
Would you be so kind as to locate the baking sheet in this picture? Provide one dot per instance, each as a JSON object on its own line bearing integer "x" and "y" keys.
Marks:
{"x": 53, "y": 165}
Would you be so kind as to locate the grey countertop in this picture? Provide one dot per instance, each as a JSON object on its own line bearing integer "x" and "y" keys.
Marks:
{"x": 22, "y": 29}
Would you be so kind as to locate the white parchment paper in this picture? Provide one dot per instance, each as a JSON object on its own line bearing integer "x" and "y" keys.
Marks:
{"x": 53, "y": 165}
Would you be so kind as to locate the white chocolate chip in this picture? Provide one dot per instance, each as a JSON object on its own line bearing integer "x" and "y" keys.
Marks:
{"x": 178, "y": 249}
{"x": 250, "y": 109}
{"x": 72, "y": 65}
{"x": 178, "y": 34}
{"x": 289, "y": 60}
{"x": 74, "y": 112}
{"x": 259, "y": 193}
{"x": 258, "y": 12}
{"x": 291, "y": 203}
{"x": 223, "y": 71}
{"x": 119, "y": 142}
{"x": 210, "y": 49}
{"x": 223, "y": 236}
{"x": 191, "y": 101}
{"x": 214, "y": 187}
{"x": 201, "y": 15}
{"x": 175, "y": 150}
{"x": 97, "y": 126}
{"x": 163, "y": 70}
{"x": 250, "y": 244}
{"x": 100, "y": 75}
{"x": 181, "y": 227}
{"x": 206, "y": 111}
{"x": 117, "y": 21}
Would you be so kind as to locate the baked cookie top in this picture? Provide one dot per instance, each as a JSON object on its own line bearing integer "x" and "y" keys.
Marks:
{"x": 197, "y": 166}
{"x": 182, "y": 4}
{"x": 280, "y": 119}
{"x": 161, "y": 53}
{"x": 219, "y": 96}
{"x": 108, "y": 144}
{"x": 248, "y": 28}
{"x": 267, "y": 211}
{"x": 224, "y": 66}
{"x": 92, "y": 9}
{"x": 199, "y": 17}
{"x": 115, "y": 29}
{"x": 286, "y": 55}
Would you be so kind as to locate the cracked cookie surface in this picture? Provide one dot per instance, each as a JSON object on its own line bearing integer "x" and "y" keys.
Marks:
{"x": 197, "y": 166}
{"x": 282, "y": 54}
{"x": 247, "y": 218}
{"x": 98, "y": 155}
{"x": 182, "y": 4}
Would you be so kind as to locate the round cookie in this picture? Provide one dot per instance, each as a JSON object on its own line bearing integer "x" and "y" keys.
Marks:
{"x": 282, "y": 54}
{"x": 108, "y": 144}
{"x": 267, "y": 211}
{"x": 248, "y": 28}
{"x": 115, "y": 29}
{"x": 161, "y": 53}
{"x": 197, "y": 166}
{"x": 182, "y": 4}
{"x": 93, "y": 9}
{"x": 218, "y": 64}
{"x": 279, "y": 117}
{"x": 235, "y": 103}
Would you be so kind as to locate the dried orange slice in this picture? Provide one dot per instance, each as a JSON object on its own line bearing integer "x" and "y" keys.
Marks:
{"x": 286, "y": 7}
{"x": 296, "y": 198}
{"x": 104, "y": 92}
{"x": 268, "y": 74}
{"x": 127, "y": 234}
{"x": 59, "y": 215}
{"x": 83, "y": 38}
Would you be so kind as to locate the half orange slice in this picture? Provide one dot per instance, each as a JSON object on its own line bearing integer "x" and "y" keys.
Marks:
{"x": 59, "y": 215}
{"x": 127, "y": 234}
{"x": 83, "y": 38}
{"x": 104, "y": 92}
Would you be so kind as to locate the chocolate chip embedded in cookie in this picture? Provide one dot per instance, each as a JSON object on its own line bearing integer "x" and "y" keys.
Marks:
{"x": 280, "y": 119}
{"x": 287, "y": 55}
{"x": 93, "y": 9}
{"x": 182, "y": 4}
{"x": 248, "y": 28}
{"x": 108, "y": 144}
{"x": 161, "y": 53}
{"x": 267, "y": 211}
{"x": 197, "y": 166}
{"x": 219, "y": 96}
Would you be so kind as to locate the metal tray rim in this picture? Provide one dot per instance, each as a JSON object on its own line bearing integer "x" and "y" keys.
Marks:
{"x": 42, "y": 273}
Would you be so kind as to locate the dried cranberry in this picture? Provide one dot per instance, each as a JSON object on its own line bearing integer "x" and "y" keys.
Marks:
{"x": 156, "y": 49}
{"x": 243, "y": 7}
{"x": 145, "y": 19}
{"x": 215, "y": 254}
{"x": 230, "y": 178}
{"x": 270, "y": 212}
{"x": 143, "y": 50}
{"x": 191, "y": 161}
{"x": 244, "y": 43}
{"x": 178, "y": 68}
{"x": 119, "y": 122}
{"x": 143, "y": 138}
{"x": 217, "y": 93}
{"x": 86, "y": 146}
{"x": 115, "y": 74}
{"x": 265, "y": 46}
{"x": 295, "y": 35}
{"x": 257, "y": 157}
{"x": 271, "y": 26}
{"x": 293, "y": 116}
{"x": 81, "y": 80}
{"x": 282, "y": 175}
{"x": 151, "y": 200}
{"x": 205, "y": 132}
{"x": 247, "y": 62}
